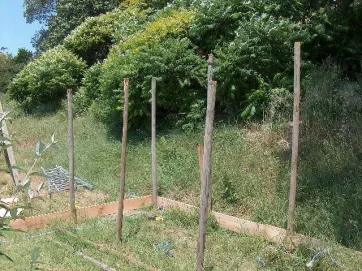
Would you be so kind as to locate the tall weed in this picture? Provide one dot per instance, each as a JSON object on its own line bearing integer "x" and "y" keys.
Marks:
{"x": 331, "y": 153}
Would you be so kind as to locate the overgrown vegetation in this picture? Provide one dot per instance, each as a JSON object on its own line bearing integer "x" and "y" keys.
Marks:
{"x": 253, "y": 46}
{"x": 252, "y": 42}
{"x": 331, "y": 154}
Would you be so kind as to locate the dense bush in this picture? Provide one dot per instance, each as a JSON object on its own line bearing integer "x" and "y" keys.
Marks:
{"x": 181, "y": 73}
{"x": 252, "y": 42}
{"x": 46, "y": 79}
{"x": 216, "y": 21}
{"x": 161, "y": 50}
{"x": 93, "y": 39}
{"x": 259, "y": 59}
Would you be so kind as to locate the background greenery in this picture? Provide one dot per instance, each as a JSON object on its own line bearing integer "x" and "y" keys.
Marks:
{"x": 253, "y": 46}
{"x": 252, "y": 42}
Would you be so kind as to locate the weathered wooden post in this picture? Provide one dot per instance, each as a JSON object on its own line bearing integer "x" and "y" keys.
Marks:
{"x": 210, "y": 73}
{"x": 71, "y": 155}
{"x": 123, "y": 161}
{"x": 153, "y": 145}
{"x": 295, "y": 140}
{"x": 206, "y": 186}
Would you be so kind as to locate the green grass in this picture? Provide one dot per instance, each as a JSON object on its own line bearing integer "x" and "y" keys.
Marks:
{"x": 251, "y": 167}
{"x": 245, "y": 167}
{"x": 225, "y": 250}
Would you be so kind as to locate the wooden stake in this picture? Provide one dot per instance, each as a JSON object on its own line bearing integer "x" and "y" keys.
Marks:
{"x": 71, "y": 155}
{"x": 295, "y": 141}
{"x": 8, "y": 152}
{"x": 153, "y": 147}
{"x": 200, "y": 150}
{"x": 123, "y": 161}
{"x": 210, "y": 73}
{"x": 205, "y": 189}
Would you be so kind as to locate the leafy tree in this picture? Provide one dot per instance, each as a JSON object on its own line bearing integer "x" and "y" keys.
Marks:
{"x": 93, "y": 38}
{"x": 10, "y": 66}
{"x": 61, "y": 17}
{"x": 160, "y": 50}
{"x": 46, "y": 79}
{"x": 216, "y": 21}
{"x": 334, "y": 27}
{"x": 23, "y": 56}
{"x": 259, "y": 59}
{"x": 39, "y": 10}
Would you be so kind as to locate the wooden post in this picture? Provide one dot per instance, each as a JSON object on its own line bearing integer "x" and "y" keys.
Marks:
{"x": 153, "y": 145}
{"x": 200, "y": 151}
{"x": 123, "y": 161}
{"x": 210, "y": 68}
{"x": 205, "y": 189}
{"x": 295, "y": 141}
{"x": 209, "y": 82}
{"x": 8, "y": 152}
{"x": 71, "y": 155}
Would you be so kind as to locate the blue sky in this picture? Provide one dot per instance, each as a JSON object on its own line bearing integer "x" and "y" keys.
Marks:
{"x": 14, "y": 31}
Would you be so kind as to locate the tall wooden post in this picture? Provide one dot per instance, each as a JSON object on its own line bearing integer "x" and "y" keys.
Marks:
{"x": 153, "y": 145}
{"x": 295, "y": 140}
{"x": 71, "y": 154}
{"x": 210, "y": 72}
{"x": 123, "y": 161}
{"x": 205, "y": 188}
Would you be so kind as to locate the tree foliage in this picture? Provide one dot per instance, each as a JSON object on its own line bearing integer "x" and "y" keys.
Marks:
{"x": 93, "y": 38}
{"x": 46, "y": 79}
{"x": 61, "y": 17}
{"x": 252, "y": 42}
{"x": 160, "y": 50}
{"x": 11, "y": 65}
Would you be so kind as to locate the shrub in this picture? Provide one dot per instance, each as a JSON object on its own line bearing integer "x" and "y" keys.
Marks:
{"x": 259, "y": 58}
{"x": 46, "y": 79}
{"x": 93, "y": 39}
{"x": 173, "y": 60}
{"x": 216, "y": 21}
{"x": 161, "y": 50}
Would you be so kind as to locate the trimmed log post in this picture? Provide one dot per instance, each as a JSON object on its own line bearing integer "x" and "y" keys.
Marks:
{"x": 295, "y": 141}
{"x": 123, "y": 162}
{"x": 206, "y": 184}
{"x": 153, "y": 145}
{"x": 71, "y": 155}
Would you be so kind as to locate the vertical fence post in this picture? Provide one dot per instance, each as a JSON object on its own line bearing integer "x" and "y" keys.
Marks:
{"x": 210, "y": 73}
{"x": 200, "y": 151}
{"x": 295, "y": 140}
{"x": 71, "y": 154}
{"x": 123, "y": 162}
{"x": 205, "y": 188}
{"x": 153, "y": 145}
